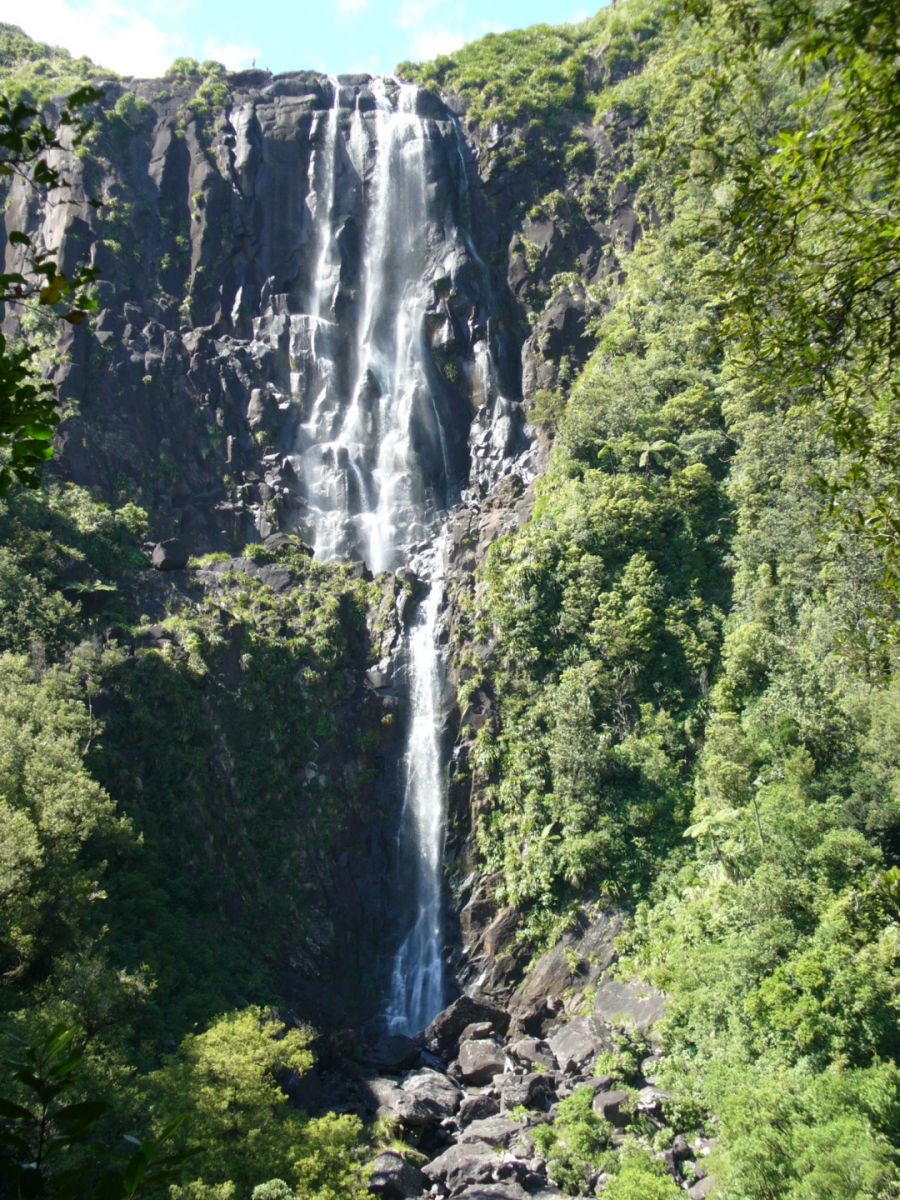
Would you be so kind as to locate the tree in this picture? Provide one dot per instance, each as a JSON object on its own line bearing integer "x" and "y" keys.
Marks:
{"x": 28, "y": 411}
{"x": 42, "y": 1130}
{"x": 811, "y": 268}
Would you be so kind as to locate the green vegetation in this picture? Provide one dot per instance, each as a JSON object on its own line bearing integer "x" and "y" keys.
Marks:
{"x": 117, "y": 920}
{"x": 696, "y": 632}
{"x": 28, "y": 412}
{"x": 538, "y": 84}
{"x": 694, "y": 644}
{"x": 41, "y": 1127}
{"x": 34, "y": 73}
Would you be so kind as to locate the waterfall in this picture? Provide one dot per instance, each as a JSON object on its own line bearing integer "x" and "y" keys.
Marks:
{"x": 372, "y": 451}
{"x": 417, "y": 979}
{"x": 377, "y": 459}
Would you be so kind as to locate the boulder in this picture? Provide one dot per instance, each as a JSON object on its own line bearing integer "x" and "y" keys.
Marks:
{"x": 389, "y": 1099}
{"x": 461, "y": 1165}
{"x": 480, "y": 1060}
{"x": 508, "y": 1190}
{"x": 573, "y": 1044}
{"x": 278, "y": 578}
{"x": 576, "y": 962}
{"x": 478, "y": 1029}
{"x": 526, "y": 1091}
{"x": 444, "y": 1031}
{"x": 496, "y": 1131}
{"x": 681, "y": 1150}
{"x": 394, "y": 1178}
{"x": 435, "y": 1091}
{"x": 631, "y": 1003}
{"x": 477, "y": 1108}
{"x": 612, "y": 1106}
{"x": 394, "y": 1052}
{"x": 650, "y": 1101}
{"x": 171, "y": 555}
{"x": 701, "y": 1189}
{"x": 532, "y": 1051}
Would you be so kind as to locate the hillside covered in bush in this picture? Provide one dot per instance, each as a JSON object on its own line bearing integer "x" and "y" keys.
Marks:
{"x": 673, "y": 643}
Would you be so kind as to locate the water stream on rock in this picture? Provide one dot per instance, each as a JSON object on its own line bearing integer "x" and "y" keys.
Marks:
{"x": 377, "y": 457}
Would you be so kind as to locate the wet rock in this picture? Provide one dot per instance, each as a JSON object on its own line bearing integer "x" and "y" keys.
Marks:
{"x": 394, "y": 1178}
{"x": 480, "y": 1060}
{"x": 170, "y": 555}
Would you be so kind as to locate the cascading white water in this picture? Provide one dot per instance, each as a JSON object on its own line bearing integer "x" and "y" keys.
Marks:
{"x": 371, "y": 437}
{"x": 372, "y": 457}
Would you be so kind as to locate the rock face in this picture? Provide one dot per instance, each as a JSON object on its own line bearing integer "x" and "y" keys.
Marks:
{"x": 394, "y": 1178}
{"x": 190, "y": 393}
{"x": 170, "y": 555}
{"x": 480, "y": 1059}
{"x": 629, "y": 1004}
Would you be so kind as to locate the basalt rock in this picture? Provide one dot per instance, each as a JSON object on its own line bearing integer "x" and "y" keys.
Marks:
{"x": 392, "y": 1177}
{"x": 444, "y": 1032}
{"x": 480, "y": 1060}
{"x": 171, "y": 555}
{"x": 435, "y": 1091}
{"x": 461, "y": 1165}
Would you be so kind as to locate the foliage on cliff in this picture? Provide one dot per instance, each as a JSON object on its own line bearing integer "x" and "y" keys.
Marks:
{"x": 696, "y": 708}
{"x": 696, "y": 632}
{"x": 161, "y": 828}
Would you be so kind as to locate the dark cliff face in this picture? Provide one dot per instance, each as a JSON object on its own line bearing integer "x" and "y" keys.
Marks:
{"x": 179, "y": 396}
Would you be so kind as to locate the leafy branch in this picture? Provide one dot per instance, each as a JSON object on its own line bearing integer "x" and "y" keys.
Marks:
{"x": 28, "y": 410}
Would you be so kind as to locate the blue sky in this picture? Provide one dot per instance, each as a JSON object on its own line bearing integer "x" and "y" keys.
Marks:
{"x": 325, "y": 35}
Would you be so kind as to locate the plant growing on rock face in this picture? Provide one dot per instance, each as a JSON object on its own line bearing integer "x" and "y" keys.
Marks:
{"x": 28, "y": 412}
{"x": 575, "y": 1143}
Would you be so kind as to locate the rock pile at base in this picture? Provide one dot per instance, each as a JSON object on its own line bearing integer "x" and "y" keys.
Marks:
{"x": 467, "y": 1109}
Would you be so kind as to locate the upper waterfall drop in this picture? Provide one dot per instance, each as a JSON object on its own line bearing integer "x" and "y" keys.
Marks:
{"x": 372, "y": 449}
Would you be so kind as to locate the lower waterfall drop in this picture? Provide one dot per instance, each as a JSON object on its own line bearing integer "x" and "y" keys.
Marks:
{"x": 417, "y": 979}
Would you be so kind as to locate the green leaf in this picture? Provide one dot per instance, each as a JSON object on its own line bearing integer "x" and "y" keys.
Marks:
{"x": 14, "y": 1112}
{"x": 54, "y": 291}
{"x": 84, "y": 1111}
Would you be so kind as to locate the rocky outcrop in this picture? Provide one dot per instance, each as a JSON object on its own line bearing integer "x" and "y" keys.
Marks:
{"x": 182, "y": 395}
